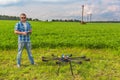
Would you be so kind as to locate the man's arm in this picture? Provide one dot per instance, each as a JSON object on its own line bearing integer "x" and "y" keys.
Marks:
{"x": 18, "y": 32}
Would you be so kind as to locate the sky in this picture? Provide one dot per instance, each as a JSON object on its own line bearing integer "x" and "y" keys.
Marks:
{"x": 101, "y": 10}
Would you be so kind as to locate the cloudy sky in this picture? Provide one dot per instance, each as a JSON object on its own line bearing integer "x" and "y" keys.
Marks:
{"x": 62, "y": 9}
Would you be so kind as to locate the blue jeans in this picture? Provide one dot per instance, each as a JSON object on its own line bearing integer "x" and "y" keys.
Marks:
{"x": 20, "y": 49}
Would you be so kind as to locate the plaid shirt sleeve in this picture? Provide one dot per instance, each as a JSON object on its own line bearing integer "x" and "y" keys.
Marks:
{"x": 16, "y": 26}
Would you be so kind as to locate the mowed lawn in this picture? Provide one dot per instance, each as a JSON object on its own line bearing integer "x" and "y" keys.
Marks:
{"x": 103, "y": 65}
{"x": 98, "y": 41}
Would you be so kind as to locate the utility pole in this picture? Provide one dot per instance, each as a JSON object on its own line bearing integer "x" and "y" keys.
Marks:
{"x": 90, "y": 17}
{"x": 87, "y": 18}
{"x": 82, "y": 14}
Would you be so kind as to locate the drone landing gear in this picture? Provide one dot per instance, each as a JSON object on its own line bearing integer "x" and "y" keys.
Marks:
{"x": 59, "y": 63}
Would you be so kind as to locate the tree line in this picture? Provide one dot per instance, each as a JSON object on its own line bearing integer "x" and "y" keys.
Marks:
{"x": 6, "y": 17}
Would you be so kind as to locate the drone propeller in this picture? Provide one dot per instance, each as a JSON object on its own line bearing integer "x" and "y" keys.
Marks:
{"x": 65, "y": 58}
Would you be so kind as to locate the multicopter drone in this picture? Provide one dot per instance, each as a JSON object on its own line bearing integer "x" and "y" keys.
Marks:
{"x": 65, "y": 59}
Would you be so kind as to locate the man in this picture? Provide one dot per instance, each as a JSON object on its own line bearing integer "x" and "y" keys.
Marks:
{"x": 23, "y": 29}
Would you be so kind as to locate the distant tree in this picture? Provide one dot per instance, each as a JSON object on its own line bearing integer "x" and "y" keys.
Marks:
{"x": 35, "y": 19}
{"x": 30, "y": 19}
{"x": 6, "y": 17}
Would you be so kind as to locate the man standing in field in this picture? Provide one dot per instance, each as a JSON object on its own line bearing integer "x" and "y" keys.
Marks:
{"x": 23, "y": 29}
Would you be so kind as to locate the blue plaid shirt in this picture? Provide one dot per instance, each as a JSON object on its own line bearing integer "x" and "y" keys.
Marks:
{"x": 20, "y": 27}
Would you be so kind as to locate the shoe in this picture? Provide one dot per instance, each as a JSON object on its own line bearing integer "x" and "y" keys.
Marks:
{"x": 18, "y": 65}
{"x": 33, "y": 63}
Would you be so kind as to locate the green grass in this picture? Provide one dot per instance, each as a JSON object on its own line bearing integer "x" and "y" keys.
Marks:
{"x": 104, "y": 65}
{"x": 98, "y": 41}
{"x": 63, "y": 34}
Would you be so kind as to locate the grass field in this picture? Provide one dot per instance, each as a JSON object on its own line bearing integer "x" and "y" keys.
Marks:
{"x": 65, "y": 34}
{"x": 98, "y": 41}
{"x": 104, "y": 65}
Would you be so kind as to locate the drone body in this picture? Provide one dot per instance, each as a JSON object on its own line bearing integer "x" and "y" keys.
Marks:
{"x": 67, "y": 59}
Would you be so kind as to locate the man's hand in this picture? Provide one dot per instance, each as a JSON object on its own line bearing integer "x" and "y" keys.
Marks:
{"x": 24, "y": 33}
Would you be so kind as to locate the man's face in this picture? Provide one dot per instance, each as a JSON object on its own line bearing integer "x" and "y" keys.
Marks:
{"x": 23, "y": 18}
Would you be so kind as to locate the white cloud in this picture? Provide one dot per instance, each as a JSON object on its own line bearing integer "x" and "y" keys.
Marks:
{"x": 7, "y": 2}
{"x": 113, "y": 8}
{"x": 49, "y": 0}
{"x": 54, "y": 0}
{"x": 71, "y": 10}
